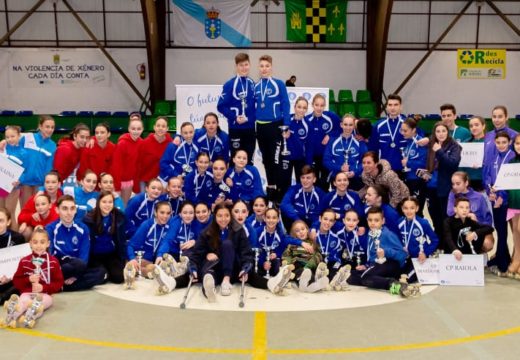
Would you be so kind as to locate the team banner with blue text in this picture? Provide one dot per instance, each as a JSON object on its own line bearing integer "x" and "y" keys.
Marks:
{"x": 204, "y": 23}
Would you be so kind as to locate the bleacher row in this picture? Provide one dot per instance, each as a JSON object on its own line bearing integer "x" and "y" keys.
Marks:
{"x": 362, "y": 106}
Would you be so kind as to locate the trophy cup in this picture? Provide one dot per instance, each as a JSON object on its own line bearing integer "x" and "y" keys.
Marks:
{"x": 257, "y": 256}
{"x": 139, "y": 255}
{"x": 243, "y": 102}
{"x": 358, "y": 257}
{"x": 186, "y": 169}
{"x": 345, "y": 157}
{"x": 285, "y": 151}
{"x": 422, "y": 240}
{"x": 180, "y": 248}
{"x": 375, "y": 234}
{"x": 403, "y": 155}
{"x": 465, "y": 232}
{"x": 267, "y": 250}
{"x": 37, "y": 262}
{"x": 225, "y": 190}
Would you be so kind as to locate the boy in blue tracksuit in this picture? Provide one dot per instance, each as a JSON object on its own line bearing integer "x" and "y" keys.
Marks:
{"x": 302, "y": 201}
{"x": 417, "y": 236}
{"x": 179, "y": 159}
{"x": 386, "y": 137}
{"x": 70, "y": 244}
{"x": 141, "y": 207}
{"x": 237, "y": 104}
{"x": 244, "y": 180}
{"x": 272, "y": 111}
{"x": 385, "y": 256}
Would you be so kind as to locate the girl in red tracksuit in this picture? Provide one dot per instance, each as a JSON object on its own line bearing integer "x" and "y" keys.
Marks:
{"x": 38, "y": 277}
{"x": 97, "y": 158}
{"x": 124, "y": 160}
{"x": 151, "y": 150}
{"x": 68, "y": 152}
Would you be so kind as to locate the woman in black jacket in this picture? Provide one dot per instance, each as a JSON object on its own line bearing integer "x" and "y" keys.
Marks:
{"x": 223, "y": 254}
{"x": 107, "y": 241}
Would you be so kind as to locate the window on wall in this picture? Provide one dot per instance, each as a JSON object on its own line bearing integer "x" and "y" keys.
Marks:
{"x": 119, "y": 23}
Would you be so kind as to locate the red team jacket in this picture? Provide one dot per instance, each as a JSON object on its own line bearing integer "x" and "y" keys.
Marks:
{"x": 124, "y": 161}
{"x": 51, "y": 276}
{"x": 97, "y": 159}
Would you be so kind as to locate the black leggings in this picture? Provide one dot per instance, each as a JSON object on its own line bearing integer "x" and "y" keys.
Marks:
{"x": 268, "y": 135}
{"x": 378, "y": 276}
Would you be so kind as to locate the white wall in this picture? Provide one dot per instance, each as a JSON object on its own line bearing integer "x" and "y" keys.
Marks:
{"x": 435, "y": 83}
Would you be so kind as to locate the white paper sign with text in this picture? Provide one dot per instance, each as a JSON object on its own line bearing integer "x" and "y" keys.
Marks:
{"x": 472, "y": 155}
{"x": 508, "y": 177}
{"x": 10, "y": 257}
{"x": 10, "y": 172}
{"x": 428, "y": 271}
{"x": 469, "y": 271}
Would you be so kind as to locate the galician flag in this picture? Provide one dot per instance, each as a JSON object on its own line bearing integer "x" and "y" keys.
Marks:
{"x": 207, "y": 23}
{"x": 316, "y": 20}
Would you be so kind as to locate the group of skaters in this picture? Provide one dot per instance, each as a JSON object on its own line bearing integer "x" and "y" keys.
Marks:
{"x": 191, "y": 207}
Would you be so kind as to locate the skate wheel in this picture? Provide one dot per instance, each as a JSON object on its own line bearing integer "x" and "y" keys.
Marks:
{"x": 12, "y": 324}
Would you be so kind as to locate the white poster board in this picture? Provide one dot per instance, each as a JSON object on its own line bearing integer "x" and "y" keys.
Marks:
{"x": 10, "y": 257}
{"x": 428, "y": 271}
{"x": 469, "y": 271}
{"x": 472, "y": 155}
{"x": 10, "y": 172}
{"x": 508, "y": 177}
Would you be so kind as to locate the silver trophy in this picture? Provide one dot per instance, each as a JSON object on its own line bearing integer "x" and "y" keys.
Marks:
{"x": 139, "y": 255}
{"x": 257, "y": 256}
{"x": 37, "y": 262}
{"x": 345, "y": 157}
{"x": 463, "y": 233}
{"x": 186, "y": 169}
{"x": 403, "y": 155}
{"x": 267, "y": 250}
{"x": 180, "y": 248}
{"x": 422, "y": 240}
{"x": 244, "y": 104}
{"x": 225, "y": 190}
{"x": 285, "y": 151}
{"x": 358, "y": 257}
{"x": 375, "y": 234}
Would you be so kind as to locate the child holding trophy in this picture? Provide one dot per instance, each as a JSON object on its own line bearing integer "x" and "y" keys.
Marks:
{"x": 353, "y": 240}
{"x": 38, "y": 277}
{"x": 385, "y": 258}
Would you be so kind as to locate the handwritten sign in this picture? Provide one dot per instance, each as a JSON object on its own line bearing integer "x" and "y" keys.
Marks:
{"x": 508, "y": 176}
{"x": 428, "y": 271}
{"x": 10, "y": 172}
{"x": 469, "y": 271}
{"x": 472, "y": 155}
{"x": 10, "y": 257}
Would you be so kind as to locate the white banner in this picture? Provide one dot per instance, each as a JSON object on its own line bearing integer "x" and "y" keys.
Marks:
{"x": 508, "y": 177}
{"x": 58, "y": 68}
{"x": 428, "y": 271}
{"x": 10, "y": 257}
{"x": 207, "y": 23}
{"x": 10, "y": 172}
{"x": 472, "y": 155}
{"x": 469, "y": 271}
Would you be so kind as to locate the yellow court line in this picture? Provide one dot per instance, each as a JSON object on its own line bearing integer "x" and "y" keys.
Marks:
{"x": 260, "y": 350}
{"x": 260, "y": 336}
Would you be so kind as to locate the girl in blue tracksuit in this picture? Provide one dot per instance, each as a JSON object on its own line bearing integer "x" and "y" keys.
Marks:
{"x": 244, "y": 180}
{"x": 271, "y": 243}
{"x": 40, "y": 156}
{"x": 302, "y": 201}
{"x": 414, "y": 158}
{"x": 218, "y": 190}
{"x": 378, "y": 196}
{"x": 344, "y": 153}
{"x": 240, "y": 212}
{"x": 174, "y": 194}
{"x": 323, "y": 126}
{"x": 353, "y": 240}
{"x": 272, "y": 111}
{"x": 385, "y": 255}
{"x": 328, "y": 242}
{"x": 182, "y": 235}
{"x": 179, "y": 159}
{"x": 197, "y": 183}
{"x": 295, "y": 139}
{"x": 237, "y": 104}
{"x": 502, "y": 155}
{"x": 84, "y": 195}
{"x": 417, "y": 236}
{"x": 149, "y": 236}
{"x": 18, "y": 155}
{"x": 106, "y": 183}
{"x": 259, "y": 207}
{"x": 203, "y": 216}
{"x": 211, "y": 139}
{"x": 141, "y": 207}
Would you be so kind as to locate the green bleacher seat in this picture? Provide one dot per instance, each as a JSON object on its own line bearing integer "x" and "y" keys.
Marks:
{"x": 332, "y": 98}
{"x": 367, "y": 110}
{"x": 346, "y": 108}
{"x": 363, "y": 96}
{"x": 162, "y": 107}
{"x": 345, "y": 96}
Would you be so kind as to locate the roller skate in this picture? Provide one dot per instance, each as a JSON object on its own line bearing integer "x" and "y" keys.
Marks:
{"x": 339, "y": 281}
{"x": 208, "y": 283}
{"x": 321, "y": 271}
{"x": 177, "y": 268}
{"x": 28, "y": 320}
{"x": 129, "y": 274}
{"x": 404, "y": 289}
{"x": 12, "y": 306}
{"x": 317, "y": 285}
{"x": 277, "y": 284}
{"x": 166, "y": 283}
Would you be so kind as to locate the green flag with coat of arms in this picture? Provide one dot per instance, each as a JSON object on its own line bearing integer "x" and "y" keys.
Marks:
{"x": 316, "y": 20}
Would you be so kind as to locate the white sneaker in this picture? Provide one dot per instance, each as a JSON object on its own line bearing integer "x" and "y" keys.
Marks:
{"x": 321, "y": 271}
{"x": 318, "y": 285}
{"x": 339, "y": 281}
{"x": 209, "y": 287}
{"x": 226, "y": 288}
{"x": 304, "y": 279}
{"x": 166, "y": 283}
{"x": 277, "y": 284}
